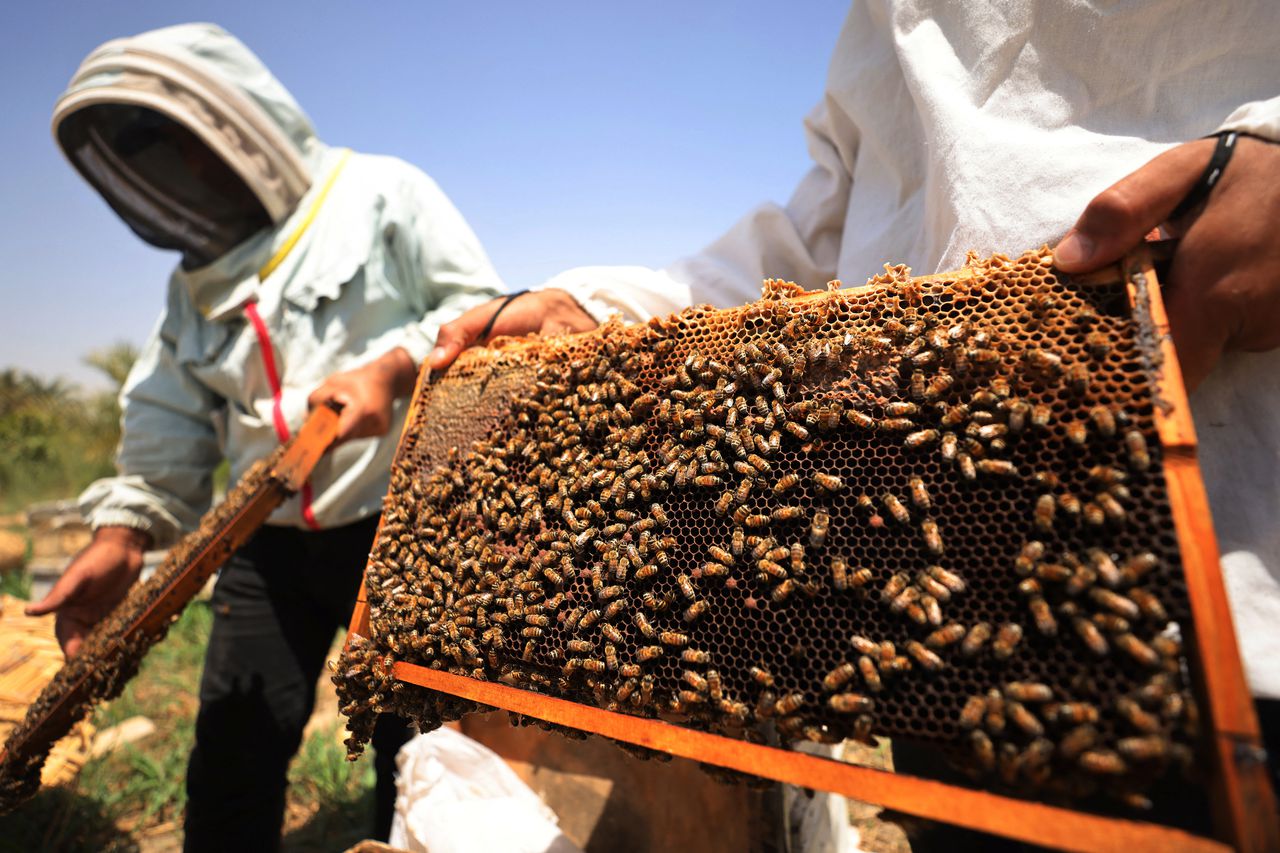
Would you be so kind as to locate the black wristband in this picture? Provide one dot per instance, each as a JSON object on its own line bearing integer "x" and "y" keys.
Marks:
{"x": 488, "y": 327}
{"x": 1217, "y": 163}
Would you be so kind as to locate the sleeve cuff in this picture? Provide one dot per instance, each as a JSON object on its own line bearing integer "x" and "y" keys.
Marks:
{"x": 162, "y": 535}
{"x": 1256, "y": 118}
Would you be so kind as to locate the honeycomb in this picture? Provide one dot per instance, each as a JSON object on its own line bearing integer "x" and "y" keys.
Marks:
{"x": 113, "y": 651}
{"x": 931, "y": 509}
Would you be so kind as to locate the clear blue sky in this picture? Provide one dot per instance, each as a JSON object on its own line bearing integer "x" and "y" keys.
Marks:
{"x": 568, "y": 133}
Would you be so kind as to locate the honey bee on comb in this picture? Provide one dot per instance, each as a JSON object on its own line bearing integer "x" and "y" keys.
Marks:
{"x": 826, "y": 497}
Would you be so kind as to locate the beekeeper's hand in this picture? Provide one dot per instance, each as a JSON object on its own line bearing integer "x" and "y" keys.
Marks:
{"x": 95, "y": 582}
{"x": 546, "y": 312}
{"x": 365, "y": 395}
{"x": 1223, "y": 289}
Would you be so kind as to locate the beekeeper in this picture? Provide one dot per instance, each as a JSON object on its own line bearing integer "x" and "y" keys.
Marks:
{"x": 947, "y": 127}
{"x": 307, "y": 274}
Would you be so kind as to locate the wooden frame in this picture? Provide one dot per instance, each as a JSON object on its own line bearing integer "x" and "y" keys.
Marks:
{"x": 1243, "y": 804}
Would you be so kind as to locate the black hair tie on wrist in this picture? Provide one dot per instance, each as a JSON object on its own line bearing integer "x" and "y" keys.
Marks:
{"x": 488, "y": 327}
{"x": 1217, "y": 163}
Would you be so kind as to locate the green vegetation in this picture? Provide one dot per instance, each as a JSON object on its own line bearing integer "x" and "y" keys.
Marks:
{"x": 56, "y": 441}
{"x": 137, "y": 792}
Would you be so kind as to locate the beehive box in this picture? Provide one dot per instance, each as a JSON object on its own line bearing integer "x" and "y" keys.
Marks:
{"x": 932, "y": 508}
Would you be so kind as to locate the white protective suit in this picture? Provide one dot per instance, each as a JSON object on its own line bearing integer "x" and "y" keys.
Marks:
{"x": 989, "y": 126}
{"x": 382, "y": 259}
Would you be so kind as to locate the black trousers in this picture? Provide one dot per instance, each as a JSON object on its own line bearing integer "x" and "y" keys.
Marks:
{"x": 277, "y": 605}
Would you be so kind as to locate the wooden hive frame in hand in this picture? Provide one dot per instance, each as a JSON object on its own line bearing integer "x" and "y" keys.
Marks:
{"x": 962, "y": 510}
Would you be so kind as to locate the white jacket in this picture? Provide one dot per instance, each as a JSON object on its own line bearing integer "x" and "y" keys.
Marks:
{"x": 951, "y": 126}
{"x": 385, "y": 261}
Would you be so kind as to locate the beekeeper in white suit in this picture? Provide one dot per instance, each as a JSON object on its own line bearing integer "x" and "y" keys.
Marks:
{"x": 307, "y": 274}
{"x": 947, "y": 127}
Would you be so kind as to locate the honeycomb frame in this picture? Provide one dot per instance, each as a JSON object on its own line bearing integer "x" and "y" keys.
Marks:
{"x": 1133, "y": 697}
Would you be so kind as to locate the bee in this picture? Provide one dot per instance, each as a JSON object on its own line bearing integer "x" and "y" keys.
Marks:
{"x": 1076, "y": 741}
{"x": 1138, "y": 566}
{"x": 1077, "y": 378}
{"x": 686, "y": 587}
{"x": 839, "y": 574}
{"x": 850, "y": 703}
{"x": 1103, "y": 421}
{"x": 715, "y": 688}
{"x": 984, "y": 751}
{"x": 1045, "y": 623}
{"x": 894, "y": 586}
{"x": 1006, "y": 640}
{"x": 932, "y": 609}
{"x": 938, "y": 386}
{"x": 580, "y": 647}
{"x": 917, "y": 386}
{"x": 785, "y": 483}
{"x": 896, "y": 508}
{"x": 1046, "y": 508}
{"x": 694, "y": 680}
{"x": 655, "y": 602}
{"x": 1103, "y": 762}
{"x": 797, "y": 558}
{"x": 839, "y": 677}
{"x": 1018, "y": 414}
{"x": 1115, "y": 602}
{"x": 870, "y": 674}
{"x": 1053, "y": 572}
{"x": 1148, "y": 748}
{"x": 615, "y": 607}
{"x": 694, "y": 611}
{"x": 772, "y": 569}
{"x": 1089, "y": 633}
{"x": 758, "y": 520}
{"x": 1136, "y": 446}
{"x": 724, "y": 503}
{"x": 921, "y": 438}
{"x": 950, "y": 580}
{"x": 787, "y": 513}
{"x": 720, "y": 555}
{"x": 1138, "y": 650}
{"x": 1149, "y": 605}
{"x": 1023, "y": 718}
{"x": 796, "y": 430}
{"x": 1041, "y": 414}
{"x": 964, "y": 462}
{"x": 864, "y": 646}
{"x": 783, "y": 591}
{"x": 907, "y": 597}
{"x": 859, "y": 419}
{"x": 932, "y": 586}
{"x": 1074, "y": 713}
{"x": 901, "y": 410}
{"x": 975, "y": 639}
{"x": 828, "y": 482}
{"x": 1043, "y": 360}
{"x": 1028, "y": 691}
{"x": 950, "y": 443}
{"x": 818, "y": 528}
{"x": 972, "y": 712}
{"x": 648, "y": 653}
{"x": 788, "y": 704}
{"x": 924, "y": 656}
{"x": 947, "y": 635}
{"x": 1111, "y": 508}
{"x": 761, "y": 676}
{"x": 932, "y": 538}
{"x": 998, "y": 467}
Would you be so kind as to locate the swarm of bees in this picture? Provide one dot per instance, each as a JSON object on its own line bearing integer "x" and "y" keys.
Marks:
{"x": 923, "y": 509}
{"x": 112, "y": 653}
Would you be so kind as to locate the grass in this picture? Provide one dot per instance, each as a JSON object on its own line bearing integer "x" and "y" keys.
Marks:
{"x": 138, "y": 791}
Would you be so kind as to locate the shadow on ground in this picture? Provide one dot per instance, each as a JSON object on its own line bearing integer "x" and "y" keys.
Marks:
{"x": 335, "y": 825}
{"x": 61, "y": 820}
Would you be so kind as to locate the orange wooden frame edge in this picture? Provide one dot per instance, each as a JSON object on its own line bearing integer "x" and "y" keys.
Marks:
{"x": 1020, "y": 819}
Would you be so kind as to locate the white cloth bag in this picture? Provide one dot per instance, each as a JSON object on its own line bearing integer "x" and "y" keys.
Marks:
{"x": 456, "y": 796}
